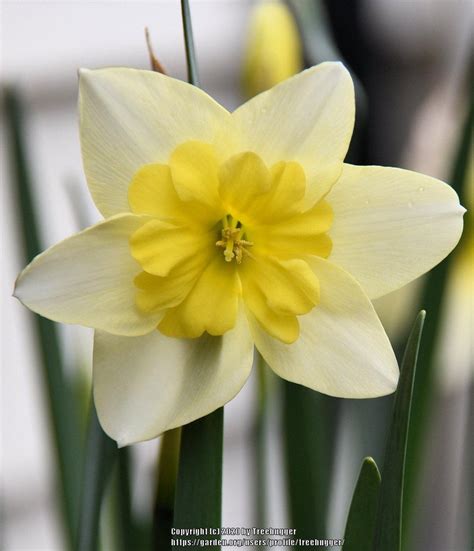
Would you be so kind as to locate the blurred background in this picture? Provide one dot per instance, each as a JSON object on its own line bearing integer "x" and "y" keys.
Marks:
{"x": 411, "y": 60}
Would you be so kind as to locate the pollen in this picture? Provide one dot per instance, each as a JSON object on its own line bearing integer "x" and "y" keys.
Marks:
{"x": 232, "y": 240}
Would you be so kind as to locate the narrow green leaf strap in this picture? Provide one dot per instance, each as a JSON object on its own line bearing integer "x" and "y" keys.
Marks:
{"x": 101, "y": 452}
{"x": 259, "y": 442}
{"x": 166, "y": 489}
{"x": 199, "y": 483}
{"x": 309, "y": 423}
{"x": 388, "y": 533}
{"x": 360, "y": 524}
{"x": 63, "y": 409}
{"x": 193, "y": 76}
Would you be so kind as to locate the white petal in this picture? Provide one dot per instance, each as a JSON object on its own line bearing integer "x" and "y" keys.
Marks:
{"x": 144, "y": 386}
{"x": 342, "y": 349}
{"x": 308, "y": 118}
{"x": 391, "y": 225}
{"x": 88, "y": 279}
{"x": 130, "y": 118}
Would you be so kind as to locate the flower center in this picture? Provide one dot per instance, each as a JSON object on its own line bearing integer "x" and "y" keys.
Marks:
{"x": 233, "y": 240}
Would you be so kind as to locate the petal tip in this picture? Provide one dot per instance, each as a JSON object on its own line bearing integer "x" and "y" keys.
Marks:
{"x": 14, "y": 290}
{"x": 330, "y": 66}
{"x": 84, "y": 75}
{"x": 16, "y": 293}
{"x": 390, "y": 380}
{"x": 133, "y": 437}
{"x": 123, "y": 443}
{"x": 122, "y": 440}
{"x": 337, "y": 66}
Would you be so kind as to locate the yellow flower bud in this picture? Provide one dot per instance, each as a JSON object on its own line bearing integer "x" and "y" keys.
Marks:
{"x": 273, "y": 51}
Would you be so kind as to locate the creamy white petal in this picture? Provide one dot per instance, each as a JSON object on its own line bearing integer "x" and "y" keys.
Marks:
{"x": 144, "y": 386}
{"x": 88, "y": 279}
{"x": 342, "y": 349}
{"x": 129, "y": 118}
{"x": 308, "y": 118}
{"x": 391, "y": 225}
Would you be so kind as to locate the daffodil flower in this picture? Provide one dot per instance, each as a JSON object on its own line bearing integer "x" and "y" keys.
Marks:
{"x": 227, "y": 230}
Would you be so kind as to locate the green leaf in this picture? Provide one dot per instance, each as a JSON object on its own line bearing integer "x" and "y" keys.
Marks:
{"x": 388, "y": 534}
{"x": 101, "y": 452}
{"x": 360, "y": 524}
{"x": 199, "y": 484}
{"x": 309, "y": 423}
{"x": 63, "y": 409}
{"x": 193, "y": 76}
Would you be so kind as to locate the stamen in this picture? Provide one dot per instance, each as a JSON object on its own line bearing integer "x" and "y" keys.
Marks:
{"x": 229, "y": 251}
{"x": 234, "y": 246}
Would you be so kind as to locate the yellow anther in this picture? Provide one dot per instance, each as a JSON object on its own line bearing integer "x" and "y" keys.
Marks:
{"x": 238, "y": 255}
{"x": 245, "y": 243}
{"x": 231, "y": 242}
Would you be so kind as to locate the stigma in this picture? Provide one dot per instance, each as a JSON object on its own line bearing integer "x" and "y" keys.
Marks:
{"x": 233, "y": 240}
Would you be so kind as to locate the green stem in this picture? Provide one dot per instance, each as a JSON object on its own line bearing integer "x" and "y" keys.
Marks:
{"x": 166, "y": 489}
{"x": 260, "y": 444}
{"x": 193, "y": 76}
{"x": 101, "y": 452}
{"x": 126, "y": 525}
{"x": 199, "y": 484}
{"x": 310, "y": 421}
{"x": 63, "y": 410}
{"x": 198, "y": 495}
